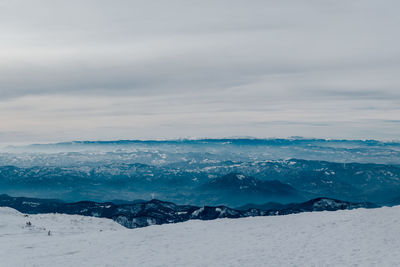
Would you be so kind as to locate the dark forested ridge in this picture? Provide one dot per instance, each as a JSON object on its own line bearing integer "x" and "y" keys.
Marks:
{"x": 141, "y": 214}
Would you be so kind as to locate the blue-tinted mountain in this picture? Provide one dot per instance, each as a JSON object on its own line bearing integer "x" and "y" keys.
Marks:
{"x": 195, "y": 183}
{"x": 235, "y": 188}
{"x": 351, "y": 181}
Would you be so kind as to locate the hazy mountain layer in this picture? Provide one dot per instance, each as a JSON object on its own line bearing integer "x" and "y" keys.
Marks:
{"x": 205, "y": 172}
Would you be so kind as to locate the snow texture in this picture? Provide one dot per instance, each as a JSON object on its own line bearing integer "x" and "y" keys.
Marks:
{"x": 342, "y": 238}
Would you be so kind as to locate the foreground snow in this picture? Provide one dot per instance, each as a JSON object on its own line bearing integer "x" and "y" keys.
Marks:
{"x": 342, "y": 238}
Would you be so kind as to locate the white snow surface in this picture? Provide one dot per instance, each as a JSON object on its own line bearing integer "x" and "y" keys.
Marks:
{"x": 342, "y": 238}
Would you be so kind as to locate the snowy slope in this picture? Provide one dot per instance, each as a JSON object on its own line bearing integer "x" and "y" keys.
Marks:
{"x": 341, "y": 238}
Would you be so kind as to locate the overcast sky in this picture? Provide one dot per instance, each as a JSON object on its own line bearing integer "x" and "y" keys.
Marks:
{"x": 114, "y": 69}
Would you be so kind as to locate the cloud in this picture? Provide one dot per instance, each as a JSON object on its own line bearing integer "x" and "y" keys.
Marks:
{"x": 187, "y": 63}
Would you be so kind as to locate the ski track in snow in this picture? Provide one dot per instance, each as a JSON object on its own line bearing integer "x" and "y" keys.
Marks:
{"x": 342, "y": 238}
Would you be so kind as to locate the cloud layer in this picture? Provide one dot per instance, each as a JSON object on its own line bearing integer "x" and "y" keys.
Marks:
{"x": 164, "y": 69}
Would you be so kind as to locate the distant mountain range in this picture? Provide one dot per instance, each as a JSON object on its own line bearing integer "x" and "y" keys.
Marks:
{"x": 141, "y": 214}
{"x": 208, "y": 182}
{"x": 228, "y": 171}
{"x": 234, "y": 149}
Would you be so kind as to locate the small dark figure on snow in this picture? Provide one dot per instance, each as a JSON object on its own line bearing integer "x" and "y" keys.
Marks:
{"x": 28, "y": 224}
{"x": 49, "y": 233}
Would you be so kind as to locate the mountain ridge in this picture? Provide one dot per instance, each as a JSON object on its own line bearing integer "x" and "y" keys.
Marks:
{"x": 160, "y": 212}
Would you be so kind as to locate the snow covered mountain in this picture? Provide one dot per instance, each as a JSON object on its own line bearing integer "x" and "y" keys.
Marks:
{"x": 361, "y": 237}
{"x": 141, "y": 214}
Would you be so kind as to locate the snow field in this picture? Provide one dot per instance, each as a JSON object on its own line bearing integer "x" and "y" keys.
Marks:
{"x": 342, "y": 238}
